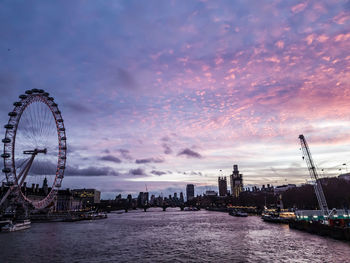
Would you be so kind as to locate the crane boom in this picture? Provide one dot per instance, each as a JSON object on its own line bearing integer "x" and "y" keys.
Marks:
{"x": 314, "y": 176}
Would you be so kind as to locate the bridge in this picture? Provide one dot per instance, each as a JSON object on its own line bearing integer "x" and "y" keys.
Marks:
{"x": 164, "y": 207}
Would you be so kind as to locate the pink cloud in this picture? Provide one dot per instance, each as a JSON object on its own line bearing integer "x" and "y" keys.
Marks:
{"x": 299, "y": 7}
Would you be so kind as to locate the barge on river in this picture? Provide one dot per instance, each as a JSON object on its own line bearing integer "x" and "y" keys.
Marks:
{"x": 312, "y": 221}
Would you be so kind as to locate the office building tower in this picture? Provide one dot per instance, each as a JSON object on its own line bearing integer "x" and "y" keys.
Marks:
{"x": 222, "y": 181}
{"x": 190, "y": 192}
{"x": 236, "y": 182}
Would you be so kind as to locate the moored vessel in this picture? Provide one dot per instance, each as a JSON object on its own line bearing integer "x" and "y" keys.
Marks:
{"x": 274, "y": 216}
{"x": 4, "y": 223}
{"x": 238, "y": 213}
{"x": 191, "y": 208}
{"x": 16, "y": 226}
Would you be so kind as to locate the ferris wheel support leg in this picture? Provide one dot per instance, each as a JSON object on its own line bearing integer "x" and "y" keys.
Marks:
{"x": 20, "y": 174}
{"x": 24, "y": 173}
{"x": 5, "y": 196}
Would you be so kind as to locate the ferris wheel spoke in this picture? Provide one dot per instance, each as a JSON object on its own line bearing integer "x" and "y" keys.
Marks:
{"x": 43, "y": 122}
{"x": 28, "y": 125}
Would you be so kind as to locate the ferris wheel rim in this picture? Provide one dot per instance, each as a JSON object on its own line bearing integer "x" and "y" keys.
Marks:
{"x": 31, "y": 96}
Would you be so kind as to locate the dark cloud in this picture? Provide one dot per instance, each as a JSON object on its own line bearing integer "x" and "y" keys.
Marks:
{"x": 149, "y": 160}
{"x": 165, "y": 139}
{"x": 166, "y": 148}
{"x": 125, "y": 154}
{"x": 90, "y": 171}
{"x": 155, "y": 172}
{"x": 105, "y": 151}
{"x": 41, "y": 167}
{"x": 77, "y": 107}
{"x": 137, "y": 171}
{"x": 116, "y": 190}
{"x": 189, "y": 153}
{"x": 110, "y": 158}
{"x": 7, "y": 81}
{"x": 125, "y": 79}
{"x": 75, "y": 149}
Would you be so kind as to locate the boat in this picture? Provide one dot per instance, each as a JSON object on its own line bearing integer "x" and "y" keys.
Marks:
{"x": 283, "y": 217}
{"x": 4, "y": 223}
{"x": 95, "y": 215}
{"x": 238, "y": 213}
{"x": 16, "y": 226}
{"x": 191, "y": 208}
{"x": 217, "y": 209}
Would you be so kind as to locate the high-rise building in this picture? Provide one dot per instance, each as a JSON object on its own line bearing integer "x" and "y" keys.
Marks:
{"x": 145, "y": 198}
{"x": 222, "y": 181}
{"x": 190, "y": 192}
{"x": 142, "y": 199}
{"x": 181, "y": 197}
{"x": 152, "y": 200}
{"x": 236, "y": 182}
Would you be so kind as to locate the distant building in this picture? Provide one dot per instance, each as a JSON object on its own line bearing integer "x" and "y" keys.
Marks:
{"x": 146, "y": 198}
{"x": 222, "y": 181}
{"x": 282, "y": 188}
{"x": 152, "y": 201}
{"x": 190, "y": 192}
{"x": 139, "y": 199}
{"x": 66, "y": 201}
{"x": 88, "y": 197}
{"x": 345, "y": 176}
{"x": 236, "y": 182}
{"x": 182, "y": 197}
{"x": 211, "y": 193}
{"x": 268, "y": 188}
{"x": 142, "y": 199}
{"x": 129, "y": 199}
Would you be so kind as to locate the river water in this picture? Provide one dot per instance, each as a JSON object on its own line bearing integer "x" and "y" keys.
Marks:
{"x": 171, "y": 236}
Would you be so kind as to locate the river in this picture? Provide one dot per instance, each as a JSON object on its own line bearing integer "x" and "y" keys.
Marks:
{"x": 171, "y": 236}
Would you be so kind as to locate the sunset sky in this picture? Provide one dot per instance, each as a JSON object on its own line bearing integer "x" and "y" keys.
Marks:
{"x": 166, "y": 93}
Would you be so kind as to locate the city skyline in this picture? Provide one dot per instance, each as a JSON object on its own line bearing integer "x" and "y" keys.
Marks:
{"x": 170, "y": 93}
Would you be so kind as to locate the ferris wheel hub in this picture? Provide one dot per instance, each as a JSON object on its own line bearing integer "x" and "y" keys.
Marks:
{"x": 35, "y": 151}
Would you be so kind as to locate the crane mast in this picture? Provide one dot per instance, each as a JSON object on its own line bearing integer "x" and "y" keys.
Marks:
{"x": 314, "y": 176}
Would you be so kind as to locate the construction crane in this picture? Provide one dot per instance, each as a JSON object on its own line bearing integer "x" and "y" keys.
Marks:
{"x": 314, "y": 176}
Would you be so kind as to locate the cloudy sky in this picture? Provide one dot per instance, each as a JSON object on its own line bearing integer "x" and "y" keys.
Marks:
{"x": 164, "y": 93}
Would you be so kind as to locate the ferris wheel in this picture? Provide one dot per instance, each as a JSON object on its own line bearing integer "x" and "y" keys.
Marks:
{"x": 34, "y": 149}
